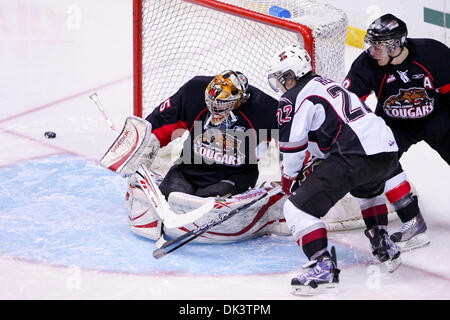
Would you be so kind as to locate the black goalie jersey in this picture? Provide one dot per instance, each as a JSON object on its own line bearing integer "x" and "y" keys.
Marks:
{"x": 211, "y": 154}
{"x": 321, "y": 116}
{"x": 409, "y": 93}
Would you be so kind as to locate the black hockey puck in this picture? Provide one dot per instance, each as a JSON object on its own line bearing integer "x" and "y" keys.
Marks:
{"x": 50, "y": 134}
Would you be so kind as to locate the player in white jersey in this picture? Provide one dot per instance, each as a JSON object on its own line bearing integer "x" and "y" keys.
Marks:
{"x": 359, "y": 152}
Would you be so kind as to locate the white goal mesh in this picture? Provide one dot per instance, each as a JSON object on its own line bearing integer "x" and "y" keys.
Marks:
{"x": 180, "y": 39}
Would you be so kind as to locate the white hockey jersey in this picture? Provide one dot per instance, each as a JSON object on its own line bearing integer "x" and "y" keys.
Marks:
{"x": 323, "y": 117}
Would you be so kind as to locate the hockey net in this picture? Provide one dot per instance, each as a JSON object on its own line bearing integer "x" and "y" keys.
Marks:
{"x": 175, "y": 40}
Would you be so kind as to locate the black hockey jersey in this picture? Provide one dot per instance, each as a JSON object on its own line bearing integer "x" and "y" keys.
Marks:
{"x": 210, "y": 155}
{"x": 407, "y": 93}
{"x": 321, "y": 116}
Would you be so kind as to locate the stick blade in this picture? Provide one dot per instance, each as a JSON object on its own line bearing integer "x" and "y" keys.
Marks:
{"x": 159, "y": 253}
{"x": 178, "y": 220}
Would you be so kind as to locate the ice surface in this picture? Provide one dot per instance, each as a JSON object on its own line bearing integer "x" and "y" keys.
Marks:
{"x": 63, "y": 226}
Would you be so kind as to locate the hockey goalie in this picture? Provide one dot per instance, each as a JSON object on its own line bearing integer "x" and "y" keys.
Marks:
{"x": 229, "y": 125}
{"x": 218, "y": 167}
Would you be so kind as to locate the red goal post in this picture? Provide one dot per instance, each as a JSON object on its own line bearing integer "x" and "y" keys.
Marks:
{"x": 174, "y": 40}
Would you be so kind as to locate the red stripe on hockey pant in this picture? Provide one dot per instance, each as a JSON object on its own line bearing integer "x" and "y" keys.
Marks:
{"x": 314, "y": 235}
{"x": 374, "y": 211}
{"x": 398, "y": 192}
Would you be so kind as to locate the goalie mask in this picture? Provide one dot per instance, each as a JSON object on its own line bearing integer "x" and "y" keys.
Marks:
{"x": 225, "y": 92}
{"x": 384, "y": 36}
{"x": 291, "y": 63}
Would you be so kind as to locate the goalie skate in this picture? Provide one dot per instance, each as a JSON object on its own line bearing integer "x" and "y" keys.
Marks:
{"x": 321, "y": 276}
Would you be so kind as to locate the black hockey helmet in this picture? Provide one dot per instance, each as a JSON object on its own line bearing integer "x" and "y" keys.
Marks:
{"x": 389, "y": 30}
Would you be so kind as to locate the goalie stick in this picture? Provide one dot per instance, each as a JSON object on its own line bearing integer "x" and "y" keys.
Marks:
{"x": 151, "y": 190}
{"x": 94, "y": 97}
{"x": 157, "y": 201}
{"x": 172, "y": 245}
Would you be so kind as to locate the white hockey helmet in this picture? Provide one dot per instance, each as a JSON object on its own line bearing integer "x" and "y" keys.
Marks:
{"x": 292, "y": 62}
{"x": 227, "y": 91}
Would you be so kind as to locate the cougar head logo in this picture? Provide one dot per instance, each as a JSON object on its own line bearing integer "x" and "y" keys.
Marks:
{"x": 409, "y": 97}
{"x": 221, "y": 142}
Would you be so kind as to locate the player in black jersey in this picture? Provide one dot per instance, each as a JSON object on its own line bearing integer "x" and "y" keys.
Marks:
{"x": 411, "y": 80}
{"x": 227, "y": 119}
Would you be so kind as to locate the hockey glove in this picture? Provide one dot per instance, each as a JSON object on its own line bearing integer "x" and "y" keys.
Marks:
{"x": 288, "y": 183}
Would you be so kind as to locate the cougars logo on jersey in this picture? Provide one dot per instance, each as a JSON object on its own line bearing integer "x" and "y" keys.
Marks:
{"x": 410, "y": 103}
{"x": 219, "y": 147}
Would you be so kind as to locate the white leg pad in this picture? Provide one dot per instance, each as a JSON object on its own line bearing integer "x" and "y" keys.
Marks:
{"x": 141, "y": 218}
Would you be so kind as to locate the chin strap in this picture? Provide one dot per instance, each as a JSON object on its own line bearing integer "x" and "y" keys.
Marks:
{"x": 392, "y": 58}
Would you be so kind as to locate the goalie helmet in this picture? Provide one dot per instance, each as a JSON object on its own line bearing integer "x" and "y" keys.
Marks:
{"x": 387, "y": 30}
{"x": 291, "y": 63}
{"x": 227, "y": 91}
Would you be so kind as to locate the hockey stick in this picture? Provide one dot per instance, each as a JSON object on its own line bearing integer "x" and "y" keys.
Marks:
{"x": 94, "y": 97}
{"x": 162, "y": 208}
{"x": 152, "y": 192}
{"x": 174, "y": 244}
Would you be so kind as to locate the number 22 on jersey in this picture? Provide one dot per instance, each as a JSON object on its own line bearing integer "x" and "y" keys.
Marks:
{"x": 284, "y": 114}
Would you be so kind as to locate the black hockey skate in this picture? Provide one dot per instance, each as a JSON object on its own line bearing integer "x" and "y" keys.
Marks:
{"x": 321, "y": 276}
{"x": 384, "y": 248}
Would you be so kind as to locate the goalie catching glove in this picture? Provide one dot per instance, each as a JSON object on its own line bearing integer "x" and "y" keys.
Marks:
{"x": 135, "y": 145}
